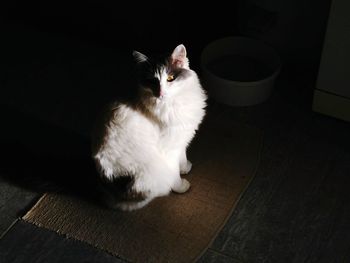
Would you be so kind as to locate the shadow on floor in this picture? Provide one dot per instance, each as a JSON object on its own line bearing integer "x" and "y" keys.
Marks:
{"x": 41, "y": 157}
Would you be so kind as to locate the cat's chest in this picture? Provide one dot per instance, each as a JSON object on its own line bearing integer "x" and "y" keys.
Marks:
{"x": 176, "y": 133}
{"x": 171, "y": 138}
{"x": 180, "y": 115}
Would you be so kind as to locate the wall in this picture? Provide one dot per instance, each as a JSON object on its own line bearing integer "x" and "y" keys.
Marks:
{"x": 294, "y": 27}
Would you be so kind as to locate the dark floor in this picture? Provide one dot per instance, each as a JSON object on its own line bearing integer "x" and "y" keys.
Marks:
{"x": 296, "y": 209}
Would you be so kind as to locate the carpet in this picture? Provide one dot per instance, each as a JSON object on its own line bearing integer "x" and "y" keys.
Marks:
{"x": 176, "y": 228}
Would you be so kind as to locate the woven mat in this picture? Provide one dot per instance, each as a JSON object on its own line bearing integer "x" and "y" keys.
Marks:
{"x": 176, "y": 228}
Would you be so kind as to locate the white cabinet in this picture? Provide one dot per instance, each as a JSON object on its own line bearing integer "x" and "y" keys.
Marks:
{"x": 332, "y": 93}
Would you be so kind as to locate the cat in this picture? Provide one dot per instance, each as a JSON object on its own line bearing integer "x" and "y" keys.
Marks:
{"x": 140, "y": 147}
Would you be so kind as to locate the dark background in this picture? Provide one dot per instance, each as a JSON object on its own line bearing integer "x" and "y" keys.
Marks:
{"x": 294, "y": 27}
{"x": 62, "y": 61}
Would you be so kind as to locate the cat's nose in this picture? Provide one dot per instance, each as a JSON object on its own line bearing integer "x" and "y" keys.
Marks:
{"x": 159, "y": 92}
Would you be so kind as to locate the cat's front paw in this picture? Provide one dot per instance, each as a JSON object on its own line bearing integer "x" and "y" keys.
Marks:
{"x": 186, "y": 168}
{"x": 182, "y": 187}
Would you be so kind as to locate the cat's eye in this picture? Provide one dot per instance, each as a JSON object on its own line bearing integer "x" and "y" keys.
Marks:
{"x": 170, "y": 78}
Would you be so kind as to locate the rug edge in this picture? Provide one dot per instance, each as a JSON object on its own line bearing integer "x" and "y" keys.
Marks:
{"x": 229, "y": 214}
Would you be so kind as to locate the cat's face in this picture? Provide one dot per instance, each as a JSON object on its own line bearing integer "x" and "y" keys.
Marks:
{"x": 163, "y": 78}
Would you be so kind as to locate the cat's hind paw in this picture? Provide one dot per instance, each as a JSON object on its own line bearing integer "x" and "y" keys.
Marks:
{"x": 185, "y": 169}
{"x": 182, "y": 187}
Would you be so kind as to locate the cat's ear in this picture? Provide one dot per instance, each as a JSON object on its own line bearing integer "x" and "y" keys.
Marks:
{"x": 139, "y": 57}
{"x": 179, "y": 57}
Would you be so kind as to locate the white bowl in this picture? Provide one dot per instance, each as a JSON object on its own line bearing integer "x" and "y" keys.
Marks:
{"x": 239, "y": 71}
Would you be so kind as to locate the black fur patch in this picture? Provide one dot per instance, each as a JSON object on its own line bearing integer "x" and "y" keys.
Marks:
{"x": 120, "y": 190}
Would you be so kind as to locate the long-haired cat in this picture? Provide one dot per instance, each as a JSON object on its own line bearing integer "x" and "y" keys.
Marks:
{"x": 140, "y": 148}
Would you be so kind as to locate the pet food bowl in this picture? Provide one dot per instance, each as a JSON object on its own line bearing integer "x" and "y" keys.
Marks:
{"x": 239, "y": 71}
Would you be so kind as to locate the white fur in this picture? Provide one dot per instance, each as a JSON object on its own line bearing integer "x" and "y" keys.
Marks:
{"x": 155, "y": 152}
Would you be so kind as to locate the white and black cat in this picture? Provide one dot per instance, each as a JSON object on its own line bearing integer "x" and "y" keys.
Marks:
{"x": 140, "y": 147}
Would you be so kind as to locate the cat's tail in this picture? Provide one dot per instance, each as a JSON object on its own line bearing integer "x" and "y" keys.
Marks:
{"x": 130, "y": 206}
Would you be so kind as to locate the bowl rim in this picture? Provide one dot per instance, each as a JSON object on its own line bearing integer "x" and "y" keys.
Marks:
{"x": 275, "y": 73}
